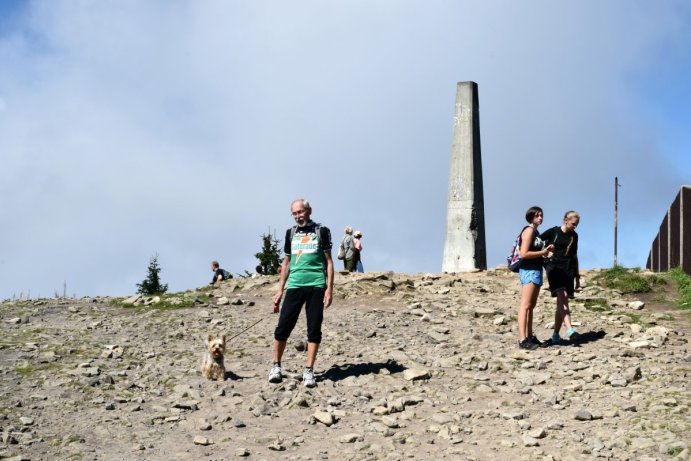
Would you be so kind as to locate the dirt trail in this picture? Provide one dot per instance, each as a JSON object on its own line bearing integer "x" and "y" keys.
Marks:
{"x": 412, "y": 366}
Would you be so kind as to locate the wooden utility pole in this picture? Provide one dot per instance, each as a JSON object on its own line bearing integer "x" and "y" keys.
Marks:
{"x": 616, "y": 209}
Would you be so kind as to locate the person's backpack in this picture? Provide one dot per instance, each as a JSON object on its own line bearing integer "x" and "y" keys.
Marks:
{"x": 226, "y": 275}
{"x": 514, "y": 258}
{"x": 341, "y": 250}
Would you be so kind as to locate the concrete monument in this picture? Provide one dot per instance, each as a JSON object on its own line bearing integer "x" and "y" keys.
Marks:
{"x": 464, "y": 246}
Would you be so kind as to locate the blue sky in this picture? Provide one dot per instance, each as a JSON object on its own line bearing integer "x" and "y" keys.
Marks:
{"x": 186, "y": 128}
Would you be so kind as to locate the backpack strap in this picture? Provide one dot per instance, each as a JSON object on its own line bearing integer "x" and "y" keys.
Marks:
{"x": 317, "y": 230}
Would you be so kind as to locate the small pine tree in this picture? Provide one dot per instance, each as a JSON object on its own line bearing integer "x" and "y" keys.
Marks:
{"x": 270, "y": 256}
{"x": 151, "y": 285}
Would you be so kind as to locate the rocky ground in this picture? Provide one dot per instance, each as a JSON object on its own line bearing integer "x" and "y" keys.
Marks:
{"x": 411, "y": 367}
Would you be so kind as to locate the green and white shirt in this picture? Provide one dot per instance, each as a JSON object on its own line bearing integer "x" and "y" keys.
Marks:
{"x": 306, "y": 246}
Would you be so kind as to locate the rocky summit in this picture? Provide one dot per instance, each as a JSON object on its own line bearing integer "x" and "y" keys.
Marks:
{"x": 419, "y": 367}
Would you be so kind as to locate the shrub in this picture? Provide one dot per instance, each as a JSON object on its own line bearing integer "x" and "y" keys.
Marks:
{"x": 152, "y": 285}
{"x": 270, "y": 255}
{"x": 629, "y": 280}
{"x": 683, "y": 282}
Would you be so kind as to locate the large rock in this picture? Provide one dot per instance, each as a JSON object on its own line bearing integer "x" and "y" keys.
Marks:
{"x": 636, "y": 305}
{"x": 132, "y": 299}
{"x": 415, "y": 375}
{"x": 324, "y": 417}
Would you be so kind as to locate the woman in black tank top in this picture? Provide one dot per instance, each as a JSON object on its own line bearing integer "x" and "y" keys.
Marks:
{"x": 533, "y": 252}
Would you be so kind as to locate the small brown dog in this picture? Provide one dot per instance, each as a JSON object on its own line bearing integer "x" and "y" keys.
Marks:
{"x": 212, "y": 361}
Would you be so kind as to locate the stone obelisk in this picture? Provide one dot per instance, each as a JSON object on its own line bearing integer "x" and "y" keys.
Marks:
{"x": 464, "y": 247}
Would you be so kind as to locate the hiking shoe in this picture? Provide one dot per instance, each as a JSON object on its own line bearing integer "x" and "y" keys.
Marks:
{"x": 275, "y": 375}
{"x": 533, "y": 339}
{"x": 555, "y": 339}
{"x": 572, "y": 334}
{"x": 527, "y": 344}
{"x": 308, "y": 378}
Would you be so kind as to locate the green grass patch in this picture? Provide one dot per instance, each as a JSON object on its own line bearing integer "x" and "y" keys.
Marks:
{"x": 597, "y": 305}
{"x": 683, "y": 282}
{"x": 635, "y": 318}
{"x": 629, "y": 280}
{"x": 674, "y": 451}
{"x": 29, "y": 371}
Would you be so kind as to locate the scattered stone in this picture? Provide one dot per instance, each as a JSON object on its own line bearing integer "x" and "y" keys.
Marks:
{"x": 583, "y": 415}
{"x": 516, "y": 414}
{"x": 632, "y": 374}
{"x": 642, "y": 443}
{"x": 203, "y": 425}
{"x": 152, "y": 300}
{"x": 415, "y": 374}
{"x": 324, "y": 417}
{"x": 132, "y": 299}
{"x": 617, "y": 380}
{"x": 628, "y": 406}
{"x": 350, "y": 438}
{"x": 659, "y": 335}
{"x": 390, "y": 421}
{"x": 201, "y": 440}
{"x": 539, "y": 433}
{"x": 276, "y": 447}
{"x": 529, "y": 441}
{"x": 636, "y": 305}
{"x": 476, "y": 395}
{"x": 484, "y": 312}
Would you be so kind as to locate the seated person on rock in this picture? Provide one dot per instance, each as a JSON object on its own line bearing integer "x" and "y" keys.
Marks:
{"x": 219, "y": 274}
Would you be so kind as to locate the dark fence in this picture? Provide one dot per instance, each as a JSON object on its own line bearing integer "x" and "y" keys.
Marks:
{"x": 672, "y": 244}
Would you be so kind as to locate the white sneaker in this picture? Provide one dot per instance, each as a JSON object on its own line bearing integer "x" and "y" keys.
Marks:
{"x": 308, "y": 378}
{"x": 275, "y": 375}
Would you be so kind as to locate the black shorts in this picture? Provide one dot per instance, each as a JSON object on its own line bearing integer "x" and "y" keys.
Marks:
{"x": 313, "y": 300}
{"x": 559, "y": 280}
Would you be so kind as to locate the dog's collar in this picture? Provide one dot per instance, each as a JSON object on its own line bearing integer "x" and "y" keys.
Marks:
{"x": 218, "y": 359}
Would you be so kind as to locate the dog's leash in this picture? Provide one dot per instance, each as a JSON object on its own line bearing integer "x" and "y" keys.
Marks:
{"x": 260, "y": 320}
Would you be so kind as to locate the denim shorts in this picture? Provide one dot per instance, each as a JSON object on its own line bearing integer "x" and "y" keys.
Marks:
{"x": 530, "y": 276}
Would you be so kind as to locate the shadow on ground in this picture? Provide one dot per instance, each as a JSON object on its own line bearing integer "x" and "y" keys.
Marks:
{"x": 339, "y": 372}
{"x": 233, "y": 376}
{"x": 587, "y": 337}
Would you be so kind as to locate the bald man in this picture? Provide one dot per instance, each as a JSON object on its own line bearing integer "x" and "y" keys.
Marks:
{"x": 308, "y": 271}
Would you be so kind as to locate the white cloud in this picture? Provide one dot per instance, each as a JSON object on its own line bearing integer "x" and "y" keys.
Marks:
{"x": 186, "y": 128}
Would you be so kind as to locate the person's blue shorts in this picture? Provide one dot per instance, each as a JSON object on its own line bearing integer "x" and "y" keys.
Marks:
{"x": 530, "y": 276}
